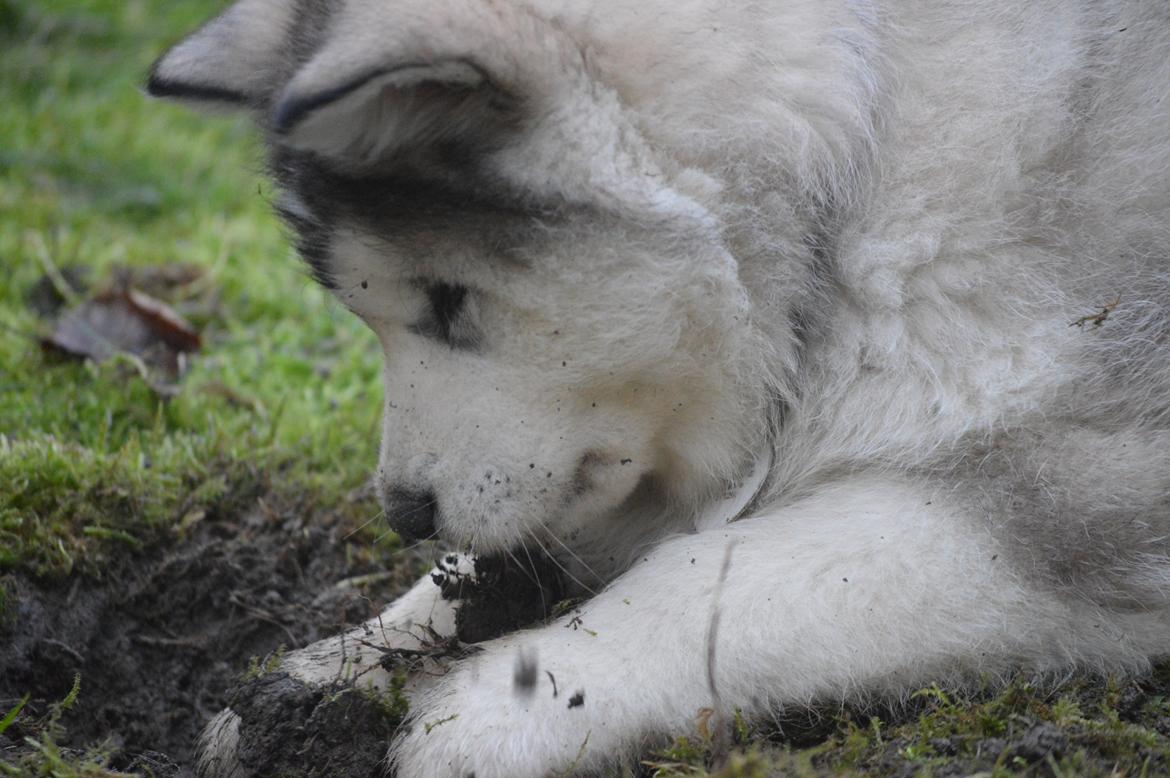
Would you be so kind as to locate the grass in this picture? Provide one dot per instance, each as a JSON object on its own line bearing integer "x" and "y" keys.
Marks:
{"x": 1084, "y": 727}
{"x": 285, "y": 394}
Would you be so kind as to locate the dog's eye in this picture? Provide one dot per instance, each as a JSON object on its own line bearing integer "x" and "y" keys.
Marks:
{"x": 446, "y": 318}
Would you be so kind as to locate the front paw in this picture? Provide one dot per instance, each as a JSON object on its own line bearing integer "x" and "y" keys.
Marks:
{"x": 501, "y": 713}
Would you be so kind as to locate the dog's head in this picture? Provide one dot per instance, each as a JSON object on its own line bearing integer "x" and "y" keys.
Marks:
{"x": 564, "y": 332}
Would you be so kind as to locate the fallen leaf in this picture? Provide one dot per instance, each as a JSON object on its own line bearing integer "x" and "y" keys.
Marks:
{"x": 125, "y": 321}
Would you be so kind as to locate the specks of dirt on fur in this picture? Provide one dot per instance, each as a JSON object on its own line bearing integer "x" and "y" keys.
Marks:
{"x": 578, "y": 699}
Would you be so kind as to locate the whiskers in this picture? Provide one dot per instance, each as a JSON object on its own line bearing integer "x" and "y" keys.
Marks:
{"x": 560, "y": 565}
{"x": 531, "y": 573}
{"x": 380, "y": 514}
{"x": 529, "y": 549}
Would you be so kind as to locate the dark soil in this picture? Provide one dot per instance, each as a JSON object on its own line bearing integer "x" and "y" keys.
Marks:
{"x": 163, "y": 637}
{"x": 165, "y": 640}
{"x": 504, "y": 597}
{"x": 289, "y": 728}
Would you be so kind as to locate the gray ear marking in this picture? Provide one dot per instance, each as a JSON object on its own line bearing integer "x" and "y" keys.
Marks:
{"x": 159, "y": 87}
{"x": 379, "y": 112}
{"x": 232, "y": 61}
{"x": 291, "y": 110}
{"x": 453, "y": 75}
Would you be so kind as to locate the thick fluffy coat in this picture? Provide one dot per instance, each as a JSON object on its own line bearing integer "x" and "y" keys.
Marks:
{"x": 845, "y": 320}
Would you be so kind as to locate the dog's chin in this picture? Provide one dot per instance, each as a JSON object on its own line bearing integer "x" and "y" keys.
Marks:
{"x": 579, "y": 524}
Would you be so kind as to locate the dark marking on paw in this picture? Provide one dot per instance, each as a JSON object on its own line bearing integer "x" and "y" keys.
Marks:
{"x": 552, "y": 678}
{"x": 578, "y": 699}
{"x": 524, "y": 674}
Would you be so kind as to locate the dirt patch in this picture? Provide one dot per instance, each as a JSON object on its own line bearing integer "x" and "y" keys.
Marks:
{"x": 289, "y": 728}
{"x": 164, "y": 642}
{"x": 163, "y": 638}
{"x": 504, "y": 596}
{"x": 285, "y": 727}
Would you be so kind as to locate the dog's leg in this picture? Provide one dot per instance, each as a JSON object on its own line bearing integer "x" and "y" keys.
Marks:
{"x": 415, "y": 618}
{"x": 868, "y": 587}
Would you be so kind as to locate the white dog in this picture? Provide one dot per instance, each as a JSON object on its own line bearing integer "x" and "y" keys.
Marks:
{"x": 842, "y": 323}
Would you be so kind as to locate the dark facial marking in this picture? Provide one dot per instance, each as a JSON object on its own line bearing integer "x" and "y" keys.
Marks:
{"x": 312, "y": 241}
{"x": 442, "y": 321}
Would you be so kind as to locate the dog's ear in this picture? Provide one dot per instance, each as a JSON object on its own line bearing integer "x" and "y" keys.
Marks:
{"x": 360, "y": 82}
{"x": 232, "y": 60}
{"x": 363, "y": 115}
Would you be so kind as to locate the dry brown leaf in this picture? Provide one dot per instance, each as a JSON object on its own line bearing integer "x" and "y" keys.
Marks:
{"x": 124, "y": 322}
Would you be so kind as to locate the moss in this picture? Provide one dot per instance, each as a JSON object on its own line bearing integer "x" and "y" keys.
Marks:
{"x": 271, "y": 664}
{"x": 1083, "y": 726}
{"x": 392, "y": 701}
{"x": 44, "y": 757}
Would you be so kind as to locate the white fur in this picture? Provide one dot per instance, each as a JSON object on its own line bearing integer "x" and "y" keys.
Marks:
{"x": 849, "y": 240}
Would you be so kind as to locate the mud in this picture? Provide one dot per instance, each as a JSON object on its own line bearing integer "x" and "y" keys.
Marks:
{"x": 505, "y": 596}
{"x": 163, "y": 638}
{"x": 164, "y": 641}
{"x": 289, "y": 728}
{"x": 285, "y": 727}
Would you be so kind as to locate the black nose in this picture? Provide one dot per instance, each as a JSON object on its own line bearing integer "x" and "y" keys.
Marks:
{"x": 411, "y": 514}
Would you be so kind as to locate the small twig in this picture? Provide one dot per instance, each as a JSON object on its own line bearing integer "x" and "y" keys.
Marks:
{"x": 148, "y": 640}
{"x": 1099, "y": 318}
{"x": 67, "y": 649}
{"x": 262, "y": 615}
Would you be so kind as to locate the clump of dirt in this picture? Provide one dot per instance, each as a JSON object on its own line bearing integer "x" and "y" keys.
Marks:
{"x": 160, "y": 641}
{"x": 289, "y": 728}
{"x": 504, "y": 596}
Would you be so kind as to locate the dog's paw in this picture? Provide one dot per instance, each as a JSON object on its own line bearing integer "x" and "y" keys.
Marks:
{"x": 307, "y": 703}
{"x": 503, "y": 713}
